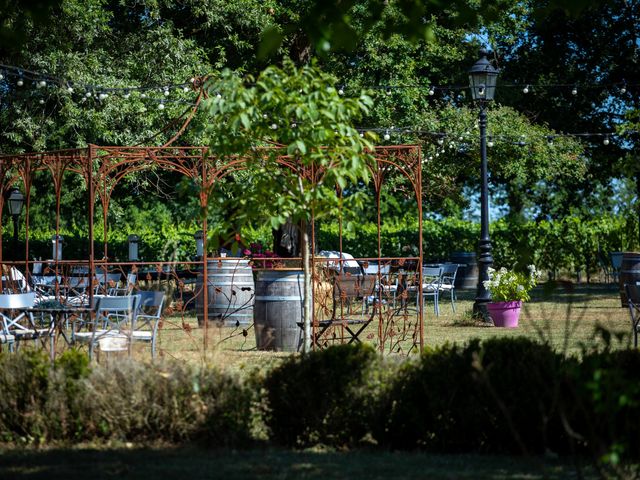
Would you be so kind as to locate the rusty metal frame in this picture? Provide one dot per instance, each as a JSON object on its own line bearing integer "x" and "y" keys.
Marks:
{"x": 103, "y": 167}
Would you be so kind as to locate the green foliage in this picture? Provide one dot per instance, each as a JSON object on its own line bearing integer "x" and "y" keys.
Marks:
{"x": 322, "y": 397}
{"x": 511, "y": 286}
{"x": 72, "y": 402}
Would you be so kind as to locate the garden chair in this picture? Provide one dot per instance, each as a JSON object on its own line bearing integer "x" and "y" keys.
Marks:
{"x": 106, "y": 282}
{"x": 431, "y": 282}
{"x": 13, "y": 281}
{"x": 18, "y": 323}
{"x": 633, "y": 300}
{"x": 111, "y": 314}
{"x": 128, "y": 286}
{"x": 448, "y": 281}
{"x": 147, "y": 319}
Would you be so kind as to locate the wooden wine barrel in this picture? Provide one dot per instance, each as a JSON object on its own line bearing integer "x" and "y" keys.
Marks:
{"x": 467, "y": 275}
{"x": 278, "y": 309}
{"x": 231, "y": 293}
{"x": 629, "y": 273}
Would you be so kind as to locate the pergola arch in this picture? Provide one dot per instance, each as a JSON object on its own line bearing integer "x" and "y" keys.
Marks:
{"x": 104, "y": 167}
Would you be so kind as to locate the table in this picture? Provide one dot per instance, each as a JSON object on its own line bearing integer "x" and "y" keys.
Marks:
{"x": 58, "y": 317}
{"x": 322, "y": 326}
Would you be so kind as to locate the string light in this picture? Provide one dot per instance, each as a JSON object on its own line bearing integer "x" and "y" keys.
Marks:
{"x": 606, "y": 140}
{"x": 574, "y": 91}
{"x": 549, "y": 140}
{"x": 341, "y": 91}
{"x": 525, "y": 90}
{"x": 20, "y": 82}
{"x": 161, "y": 105}
{"x": 490, "y": 142}
{"x": 41, "y": 84}
{"x": 623, "y": 88}
{"x": 431, "y": 91}
{"x": 387, "y": 136}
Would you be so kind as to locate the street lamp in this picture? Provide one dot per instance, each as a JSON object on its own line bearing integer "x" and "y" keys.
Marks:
{"x": 133, "y": 241}
{"x": 199, "y": 237}
{"x": 482, "y": 80}
{"x": 15, "y": 202}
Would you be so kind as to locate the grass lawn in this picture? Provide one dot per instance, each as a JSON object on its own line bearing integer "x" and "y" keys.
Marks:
{"x": 186, "y": 463}
{"x": 566, "y": 316}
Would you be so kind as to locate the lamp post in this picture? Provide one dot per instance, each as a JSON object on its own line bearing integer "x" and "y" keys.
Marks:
{"x": 133, "y": 241}
{"x": 15, "y": 202}
{"x": 482, "y": 80}
{"x": 199, "y": 237}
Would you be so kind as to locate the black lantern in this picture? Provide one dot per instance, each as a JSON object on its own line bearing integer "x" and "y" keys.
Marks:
{"x": 482, "y": 80}
{"x": 133, "y": 241}
{"x": 199, "y": 238}
{"x": 15, "y": 203}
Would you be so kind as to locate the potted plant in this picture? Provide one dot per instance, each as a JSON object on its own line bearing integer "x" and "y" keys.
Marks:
{"x": 508, "y": 290}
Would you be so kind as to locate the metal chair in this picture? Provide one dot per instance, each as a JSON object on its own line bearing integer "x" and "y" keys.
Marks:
{"x": 448, "y": 281}
{"x": 17, "y": 323}
{"x": 111, "y": 314}
{"x": 105, "y": 282}
{"x": 431, "y": 282}
{"x": 147, "y": 319}
{"x": 633, "y": 300}
{"x": 128, "y": 286}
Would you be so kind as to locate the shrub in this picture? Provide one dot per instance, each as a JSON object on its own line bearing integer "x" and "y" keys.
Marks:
{"x": 325, "y": 397}
{"x": 168, "y": 402}
{"x": 493, "y": 397}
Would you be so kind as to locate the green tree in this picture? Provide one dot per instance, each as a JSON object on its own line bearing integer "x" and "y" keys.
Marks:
{"x": 300, "y": 109}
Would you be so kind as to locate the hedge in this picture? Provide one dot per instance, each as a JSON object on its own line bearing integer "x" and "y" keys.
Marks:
{"x": 570, "y": 245}
{"x": 509, "y": 395}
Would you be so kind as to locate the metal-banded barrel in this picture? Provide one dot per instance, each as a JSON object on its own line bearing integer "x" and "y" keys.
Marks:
{"x": 629, "y": 273}
{"x": 467, "y": 275}
{"x": 278, "y": 310}
{"x": 230, "y": 290}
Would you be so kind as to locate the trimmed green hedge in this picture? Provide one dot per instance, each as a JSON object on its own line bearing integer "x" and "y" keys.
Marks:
{"x": 510, "y": 395}
{"x": 567, "y": 245}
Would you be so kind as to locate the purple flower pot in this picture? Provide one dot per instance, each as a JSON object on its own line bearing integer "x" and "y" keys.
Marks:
{"x": 505, "y": 314}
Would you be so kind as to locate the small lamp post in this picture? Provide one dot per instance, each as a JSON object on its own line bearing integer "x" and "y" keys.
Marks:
{"x": 482, "y": 80}
{"x": 134, "y": 241}
{"x": 199, "y": 237}
{"x": 15, "y": 202}
{"x": 56, "y": 242}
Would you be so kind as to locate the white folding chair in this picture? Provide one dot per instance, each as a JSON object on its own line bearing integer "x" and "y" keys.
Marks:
{"x": 431, "y": 282}
{"x": 111, "y": 314}
{"x": 448, "y": 281}
{"x": 147, "y": 319}
{"x": 127, "y": 288}
{"x": 17, "y": 323}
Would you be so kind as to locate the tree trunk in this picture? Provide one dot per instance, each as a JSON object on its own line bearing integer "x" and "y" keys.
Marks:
{"x": 307, "y": 313}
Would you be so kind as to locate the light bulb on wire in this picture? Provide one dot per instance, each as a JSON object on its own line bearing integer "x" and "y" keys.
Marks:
{"x": 525, "y": 90}
{"x": 574, "y": 91}
{"x": 387, "y": 136}
{"x": 20, "y": 82}
{"x": 606, "y": 142}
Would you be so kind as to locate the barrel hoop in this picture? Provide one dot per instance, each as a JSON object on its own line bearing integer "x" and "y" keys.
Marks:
{"x": 279, "y": 279}
{"x": 282, "y": 298}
